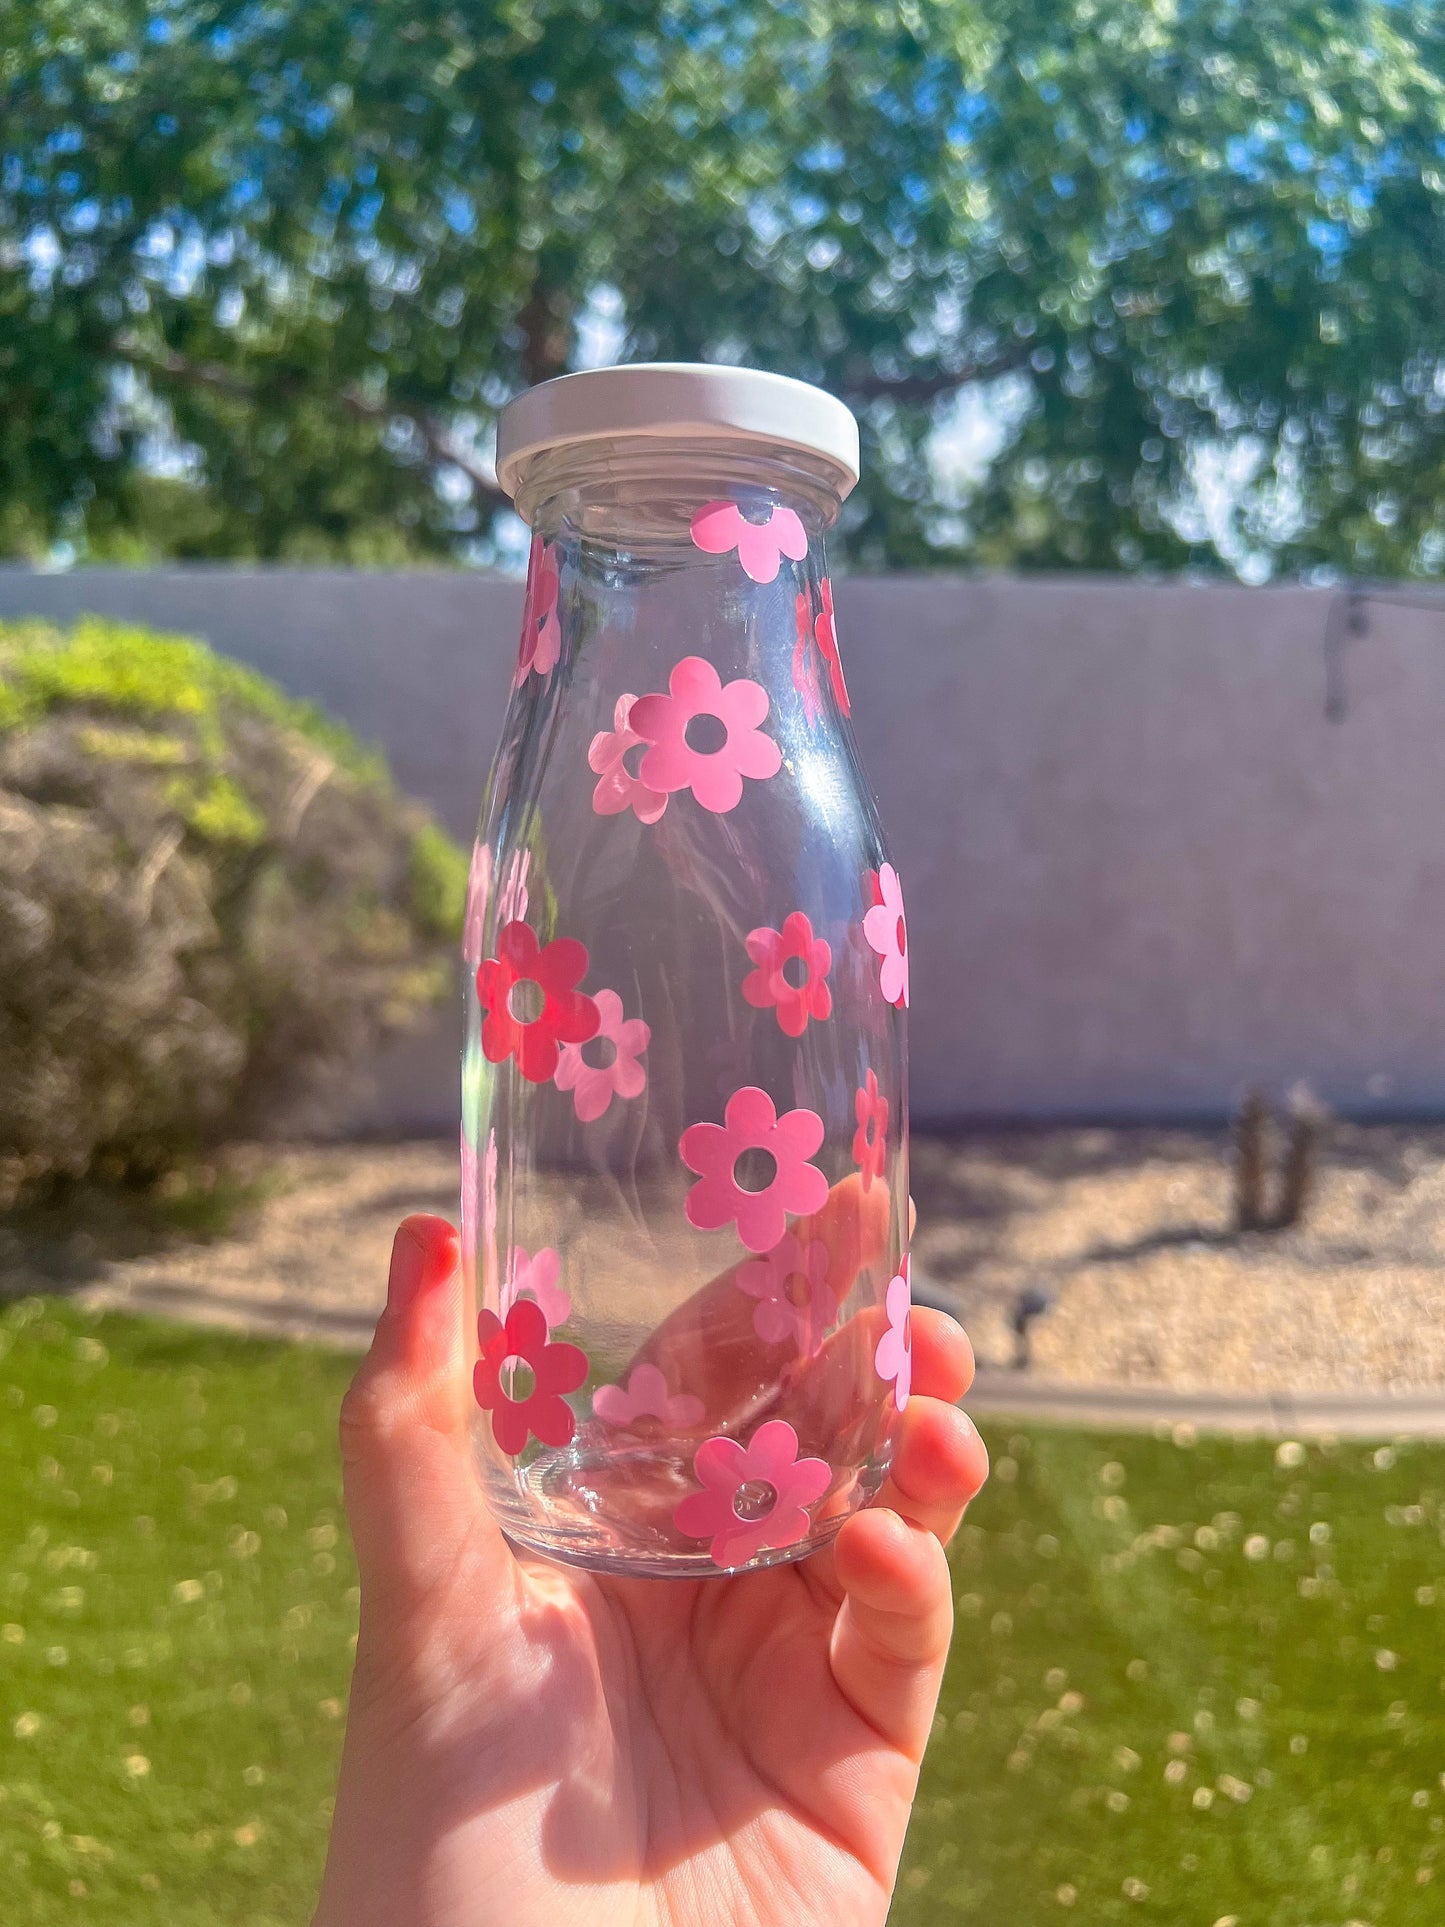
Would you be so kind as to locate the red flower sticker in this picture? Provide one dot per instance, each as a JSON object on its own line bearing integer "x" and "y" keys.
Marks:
{"x": 554, "y": 1370}
{"x": 825, "y": 634}
{"x": 541, "y": 631}
{"x": 770, "y": 986}
{"x": 870, "y": 1140}
{"x": 805, "y": 661}
{"x": 562, "y": 1016}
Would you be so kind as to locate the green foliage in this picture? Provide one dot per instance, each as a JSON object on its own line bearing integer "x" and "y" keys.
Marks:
{"x": 1188, "y": 1681}
{"x": 1189, "y": 254}
{"x": 178, "y": 1598}
{"x": 212, "y": 902}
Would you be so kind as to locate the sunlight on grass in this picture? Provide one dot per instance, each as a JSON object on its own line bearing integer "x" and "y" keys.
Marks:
{"x": 1193, "y": 1682}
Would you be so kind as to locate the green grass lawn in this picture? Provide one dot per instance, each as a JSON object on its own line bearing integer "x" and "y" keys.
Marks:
{"x": 1193, "y": 1682}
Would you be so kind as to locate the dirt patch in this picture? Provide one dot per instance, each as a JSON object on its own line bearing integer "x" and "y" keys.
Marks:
{"x": 1123, "y": 1236}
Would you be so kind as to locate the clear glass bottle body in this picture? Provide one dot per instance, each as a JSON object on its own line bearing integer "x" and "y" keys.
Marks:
{"x": 684, "y": 1139}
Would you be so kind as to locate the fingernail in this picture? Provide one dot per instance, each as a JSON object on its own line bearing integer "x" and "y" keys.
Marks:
{"x": 422, "y": 1253}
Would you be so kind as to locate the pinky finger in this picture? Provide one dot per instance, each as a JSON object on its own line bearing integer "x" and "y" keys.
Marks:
{"x": 890, "y": 1639}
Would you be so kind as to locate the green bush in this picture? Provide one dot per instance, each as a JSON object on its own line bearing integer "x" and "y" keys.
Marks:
{"x": 213, "y": 900}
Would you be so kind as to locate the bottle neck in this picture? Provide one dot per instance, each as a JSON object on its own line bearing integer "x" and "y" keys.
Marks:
{"x": 631, "y": 491}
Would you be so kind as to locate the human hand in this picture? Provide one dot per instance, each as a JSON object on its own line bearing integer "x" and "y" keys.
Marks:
{"x": 531, "y": 1745}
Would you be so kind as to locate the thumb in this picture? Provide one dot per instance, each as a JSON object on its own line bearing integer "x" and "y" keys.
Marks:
{"x": 411, "y": 1494}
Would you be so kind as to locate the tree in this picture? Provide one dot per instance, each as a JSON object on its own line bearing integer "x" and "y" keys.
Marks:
{"x": 1189, "y": 258}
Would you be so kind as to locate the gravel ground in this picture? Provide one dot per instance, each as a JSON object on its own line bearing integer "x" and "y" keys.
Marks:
{"x": 1126, "y": 1233}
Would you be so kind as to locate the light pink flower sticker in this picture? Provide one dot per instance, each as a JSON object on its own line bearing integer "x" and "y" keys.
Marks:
{"x": 720, "y": 527}
{"x": 805, "y": 661}
{"x": 754, "y": 1498}
{"x": 894, "y": 1357}
{"x": 539, "y": 1277}
{"x": 886, "y": 929}
{"x": 790, "y": 1283}
{"x": 870, "y": 1140}
{"x": 715, "y": 773}
{"x": 752, "y": 1124}
{"x": 646, "y": 1396}
{"x": 770, "y": 986}
{"x": 618, "y": 789}
{"x": 594, "y": 1086}
{"x": 541, "y": 631}
{"x": 511, "y": 898}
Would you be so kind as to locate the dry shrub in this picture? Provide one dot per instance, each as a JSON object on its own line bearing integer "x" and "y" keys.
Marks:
{"x": 213, "y": 901}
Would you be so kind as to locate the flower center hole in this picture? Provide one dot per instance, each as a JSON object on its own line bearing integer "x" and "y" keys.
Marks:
{"x": 798, "y": 1290}
{"x": 754, "y": 1499}
{"x": 526, "y": 1001}
{"x": 519, "y": 1381}
{"x": 632, "y": 760}
{"x": 755, "y": 1170}
{"x": 796, "y": 972}
{"x": 705, "y": 735}
{"x": 599, "y": 1053}
{"x": 902, "y": 938}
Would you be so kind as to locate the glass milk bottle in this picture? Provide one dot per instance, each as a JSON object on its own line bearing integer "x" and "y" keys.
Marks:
{"x": 684, "y": 1141}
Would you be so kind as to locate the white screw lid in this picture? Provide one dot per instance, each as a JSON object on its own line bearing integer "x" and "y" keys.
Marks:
{"x": 679, "y": 400}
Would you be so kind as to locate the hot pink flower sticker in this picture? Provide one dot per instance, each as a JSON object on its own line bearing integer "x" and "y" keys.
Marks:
{"x": 541, "y": 1276}
{"x": 752, "y": 1124}
{"x": 825, "y": 634}
{"x": 719, "y": 527}
{"x": 563, "y": 1016}
{"x": 594, "y": 1086}
{"x": 646, "y": 1396}
{"x": 713, "y": 774}
{"x": 541, "y": 631}
{"x": 870, "y": 1140}
{"x": 618, "y": 789}
{"x": 790, "y": 1283}
{"x": 805, "y": 660}
{"x": 555, "y": 1369}
{"x": 886, "y": 929}
{"x": 771, "y": 986}
{"x": 894, "y": 1356}
{"x": 754, "y": 1498}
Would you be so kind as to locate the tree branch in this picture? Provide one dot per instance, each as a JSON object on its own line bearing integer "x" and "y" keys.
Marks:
{"x": 221, "y": 380}
{"x": 926, "y": 388}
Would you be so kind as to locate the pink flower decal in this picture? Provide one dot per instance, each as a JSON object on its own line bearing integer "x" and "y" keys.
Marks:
{"x": 541, "y": 631}
{"x": 618, "y": 789}
{"x": 894, "y": 1356}
{"x": 870, "y": 1140}
{"x": 565, "y": 1016}
{"x": 469, "y": 1193}
{"x": 645, "y": 1396}
{"x": 555, "y": 1369}
{"x": 595, "y": 1085}
{"x": 511, "y": 898}
{"x": 479, "y": 883}
{"x": 768, "y": 987}
{"x": 825, "y": 634}
{"x": 715, "y": 774}
{"x": 752, "y": 1124}
{"x": 886, "y": 929}
{"x": 541, "y": 1277}
{"x": 719, "y": 527}
{"x": 754, "y": 1498}
{"x": 805, "y": 661}
{"x": 790, "y": 1283}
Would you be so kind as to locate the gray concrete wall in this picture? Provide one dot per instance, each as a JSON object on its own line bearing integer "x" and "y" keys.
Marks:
{"x": 1142, "y": 867}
